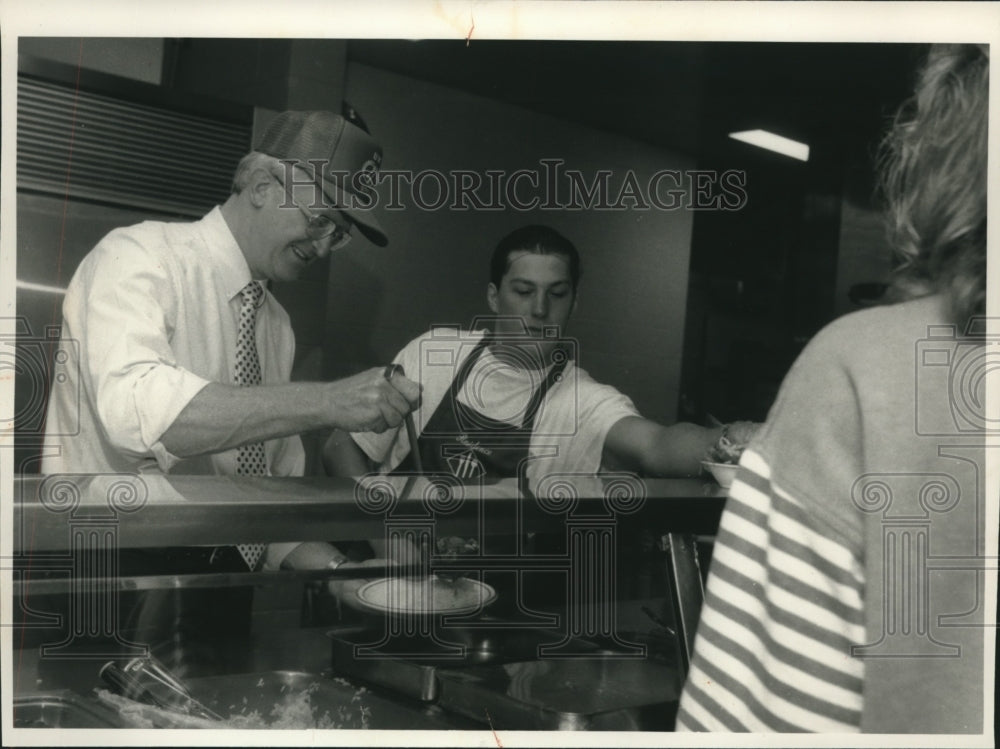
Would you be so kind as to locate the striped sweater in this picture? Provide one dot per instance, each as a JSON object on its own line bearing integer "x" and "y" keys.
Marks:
{"x": 823, "y": 605}
{"x": 784, "y": 606}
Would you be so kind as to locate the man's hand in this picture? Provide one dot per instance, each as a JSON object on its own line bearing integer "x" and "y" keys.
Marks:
{"x": 368, "y": 402}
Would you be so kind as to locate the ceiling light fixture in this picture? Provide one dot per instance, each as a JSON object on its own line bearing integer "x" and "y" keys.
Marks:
{"x": 772, "y": 142}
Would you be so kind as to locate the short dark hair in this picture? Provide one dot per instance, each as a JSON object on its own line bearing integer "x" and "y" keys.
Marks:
{"x": 933, "y": 169}
{"x": 539, "y": 239}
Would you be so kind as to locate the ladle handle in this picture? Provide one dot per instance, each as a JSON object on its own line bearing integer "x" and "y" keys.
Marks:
{"x": 127, "y": 685}
{"x": 411, "y": 430}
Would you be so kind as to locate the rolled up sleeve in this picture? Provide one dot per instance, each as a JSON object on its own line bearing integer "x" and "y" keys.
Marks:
{"x": 122, "y": 309}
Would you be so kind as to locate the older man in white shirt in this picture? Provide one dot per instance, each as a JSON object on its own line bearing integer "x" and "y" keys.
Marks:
{"x": 184, "y": 356}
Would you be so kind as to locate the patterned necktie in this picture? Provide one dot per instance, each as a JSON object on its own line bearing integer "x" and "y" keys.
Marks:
{"x": 250, "y": 460}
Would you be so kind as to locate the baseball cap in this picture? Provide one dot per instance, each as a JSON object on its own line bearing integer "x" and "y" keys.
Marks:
{"x": 342, "y": 157}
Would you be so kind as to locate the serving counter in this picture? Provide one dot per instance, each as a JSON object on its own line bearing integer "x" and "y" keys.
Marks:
{"x": 155, "y": 510}
{"x": 599, "y": 590}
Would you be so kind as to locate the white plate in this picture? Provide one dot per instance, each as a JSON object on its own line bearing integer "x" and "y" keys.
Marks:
{"x": 408, "y": 595}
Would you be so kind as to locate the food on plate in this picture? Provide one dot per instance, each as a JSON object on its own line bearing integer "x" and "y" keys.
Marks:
{"x": 453, "y": 546}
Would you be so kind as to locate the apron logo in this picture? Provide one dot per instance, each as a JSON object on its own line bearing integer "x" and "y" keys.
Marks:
{"x": 475, "y": 446}
{"x": 465, "y": 465}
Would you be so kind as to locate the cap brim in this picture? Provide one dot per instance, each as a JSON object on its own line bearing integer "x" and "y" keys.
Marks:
{"x": 367, "y": 224}
{"x": 363, "y": 218}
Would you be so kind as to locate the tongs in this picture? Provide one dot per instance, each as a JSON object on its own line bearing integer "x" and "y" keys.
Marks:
{"x": 148, "y": 681}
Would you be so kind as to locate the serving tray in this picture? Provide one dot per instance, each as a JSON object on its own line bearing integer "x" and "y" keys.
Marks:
{"x": 601, "y": 693}
{"x": 410, "y": 666}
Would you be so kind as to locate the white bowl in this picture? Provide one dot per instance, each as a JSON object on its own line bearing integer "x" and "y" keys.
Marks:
{"x": 724, "y": 473}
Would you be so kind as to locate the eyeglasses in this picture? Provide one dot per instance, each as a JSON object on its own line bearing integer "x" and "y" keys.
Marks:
{"x": 319, "y": 226}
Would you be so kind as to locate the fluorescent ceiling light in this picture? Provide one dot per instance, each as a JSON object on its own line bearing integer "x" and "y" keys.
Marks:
{"x": 772, "y": 142}
{"x": 27, "y": 285}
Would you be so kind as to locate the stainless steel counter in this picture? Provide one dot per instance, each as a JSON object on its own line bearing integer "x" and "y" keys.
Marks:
{"x": 597, "y": 693}
{"x": 75, "y": 523}
{"x": 151, "y": 511}
{"x": 63, "y": 693}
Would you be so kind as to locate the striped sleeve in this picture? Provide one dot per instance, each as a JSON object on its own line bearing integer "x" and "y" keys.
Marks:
{"x": 783, "y": 607}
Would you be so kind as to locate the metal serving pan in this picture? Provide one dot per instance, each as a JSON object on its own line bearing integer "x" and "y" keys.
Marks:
{"x": 62, "y": 709}
{"x": 292, "y": 700}
{"x": 409, "y": 665}
{"x": 601, "y": 693}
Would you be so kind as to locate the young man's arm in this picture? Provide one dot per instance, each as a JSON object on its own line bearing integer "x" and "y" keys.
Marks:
{"x": 652, "y": 449}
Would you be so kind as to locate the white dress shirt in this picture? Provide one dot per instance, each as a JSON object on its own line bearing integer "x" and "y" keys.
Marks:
{"x": 149, "y": 319}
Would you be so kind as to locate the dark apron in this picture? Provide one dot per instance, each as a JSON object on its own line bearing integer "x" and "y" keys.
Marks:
{"x": 459, "y": 441}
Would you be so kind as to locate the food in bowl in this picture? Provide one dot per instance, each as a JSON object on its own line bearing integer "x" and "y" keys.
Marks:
{"x": 722, "y": 458}
{"x": 725, "y": 450}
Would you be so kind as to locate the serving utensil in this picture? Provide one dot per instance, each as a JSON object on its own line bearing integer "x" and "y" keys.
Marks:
{"x": 411, "y": 431}
{"x": 148, "y": 681}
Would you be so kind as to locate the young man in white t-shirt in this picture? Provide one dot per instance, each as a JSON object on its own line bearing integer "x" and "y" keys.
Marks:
{"x": 510, "y": 400}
